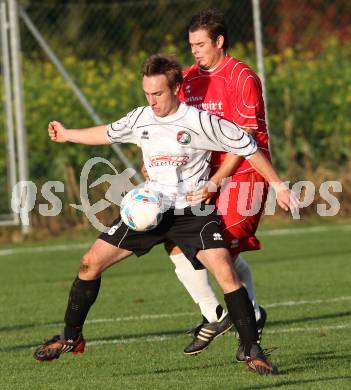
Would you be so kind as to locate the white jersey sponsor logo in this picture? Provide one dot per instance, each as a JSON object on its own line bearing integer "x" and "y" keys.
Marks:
{"x": 164, "y": 159}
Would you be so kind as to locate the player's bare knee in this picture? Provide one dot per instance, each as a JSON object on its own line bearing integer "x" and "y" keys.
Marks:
{"x": 88, "y": 266}
{"x": 83, "y": 267}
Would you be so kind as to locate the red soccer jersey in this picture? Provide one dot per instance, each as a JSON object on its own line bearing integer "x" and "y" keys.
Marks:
{"x": 232, "y": 91}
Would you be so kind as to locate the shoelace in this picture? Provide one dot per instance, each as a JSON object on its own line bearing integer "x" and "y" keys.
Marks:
{"x": 268, "y": 351}
{"x": 195, "y": 329}
{"x": 265, "y": 352}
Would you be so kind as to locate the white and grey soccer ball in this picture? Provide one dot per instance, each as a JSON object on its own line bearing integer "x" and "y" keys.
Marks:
{"x": 142, "y": 209}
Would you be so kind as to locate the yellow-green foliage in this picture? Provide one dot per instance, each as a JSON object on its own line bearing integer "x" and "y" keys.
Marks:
{"x": 113, "y": 89}
{"x": 309, "y": 104}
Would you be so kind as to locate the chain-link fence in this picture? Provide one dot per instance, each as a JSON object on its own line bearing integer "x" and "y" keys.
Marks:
{"x": 105, "y": 29}
{"x": 101, "y": 46}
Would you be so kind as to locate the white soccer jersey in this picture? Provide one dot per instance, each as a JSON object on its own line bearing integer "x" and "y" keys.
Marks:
{"x": 177, "y": 148}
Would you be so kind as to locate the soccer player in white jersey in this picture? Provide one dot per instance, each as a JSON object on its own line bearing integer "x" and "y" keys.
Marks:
{"x": 227, "y": 87}
{"x": 184, "y": 132}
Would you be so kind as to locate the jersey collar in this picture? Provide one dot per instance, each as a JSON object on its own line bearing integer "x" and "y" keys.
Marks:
{"x": 217, "y": 69}
{"x": 182, "y": 109}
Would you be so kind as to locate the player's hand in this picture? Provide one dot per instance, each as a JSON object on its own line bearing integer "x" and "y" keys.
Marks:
{"x": 57, "y": 132}
{"x": 287, "y": 199}
{"x": 202, "y": 195}
{"x": 144, "y": 172}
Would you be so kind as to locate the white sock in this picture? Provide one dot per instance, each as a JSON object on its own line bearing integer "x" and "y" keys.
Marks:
{"x": 198, "y": 286}
{"x": 243, "y": 271}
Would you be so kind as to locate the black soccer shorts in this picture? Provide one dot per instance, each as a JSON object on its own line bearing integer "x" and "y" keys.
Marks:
{"x": 190, "y": 232}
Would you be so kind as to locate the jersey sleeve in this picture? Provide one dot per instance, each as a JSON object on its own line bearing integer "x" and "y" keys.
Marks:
{"x": 121, "y": 131}
{"x": 246, "y": 93}
{"x": 218, "y": 134}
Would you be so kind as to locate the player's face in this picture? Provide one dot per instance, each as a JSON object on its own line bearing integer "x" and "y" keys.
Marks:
{"x": 207, "y": 54}
{"x": 160, "y": 97}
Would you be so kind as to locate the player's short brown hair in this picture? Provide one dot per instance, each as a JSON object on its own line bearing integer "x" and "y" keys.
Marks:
{"x": 211, "y": 20}
{"x": 162, "y": 64}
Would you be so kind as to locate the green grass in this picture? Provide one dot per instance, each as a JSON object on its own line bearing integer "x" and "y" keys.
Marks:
{"x": 144, "y": 351}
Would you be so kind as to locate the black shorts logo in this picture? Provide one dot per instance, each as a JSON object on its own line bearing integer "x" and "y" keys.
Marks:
{"x": 217, "y": 237}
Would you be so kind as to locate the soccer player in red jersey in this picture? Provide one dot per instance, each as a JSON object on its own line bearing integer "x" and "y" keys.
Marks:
{"x": 225, "y": 86}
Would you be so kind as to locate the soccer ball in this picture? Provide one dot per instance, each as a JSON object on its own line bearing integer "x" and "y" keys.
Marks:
{"x": 141, "y": 209}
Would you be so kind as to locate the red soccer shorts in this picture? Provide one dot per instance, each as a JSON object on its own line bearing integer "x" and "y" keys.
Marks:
{"x": 240, "y": 204}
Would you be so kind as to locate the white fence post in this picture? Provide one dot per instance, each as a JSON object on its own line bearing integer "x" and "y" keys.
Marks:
{"x": 259, "y": 54}
{"x": 15, "y": 48}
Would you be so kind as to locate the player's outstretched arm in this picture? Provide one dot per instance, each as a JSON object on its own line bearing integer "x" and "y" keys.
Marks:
{"x": 286, "y": 199}
{"x": 89, "y": 136}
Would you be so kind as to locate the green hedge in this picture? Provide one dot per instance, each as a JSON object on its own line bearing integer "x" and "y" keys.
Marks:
{"x": 309, "y": 104}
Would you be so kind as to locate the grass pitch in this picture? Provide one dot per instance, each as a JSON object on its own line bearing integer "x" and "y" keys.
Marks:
{"x": 135, "y": 331}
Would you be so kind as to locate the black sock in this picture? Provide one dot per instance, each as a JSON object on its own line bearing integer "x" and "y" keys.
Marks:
{"x": 243, "y": 316}
{"x": 219, "y": 311}
{"x": 81, "y": 297}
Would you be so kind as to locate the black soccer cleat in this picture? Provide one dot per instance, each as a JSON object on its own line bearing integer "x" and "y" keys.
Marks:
{"x": 206, "y": 332}
{"x": 53, "y": 348}
{"x": 256, "y": 361}
{"x": 240, "y": 353}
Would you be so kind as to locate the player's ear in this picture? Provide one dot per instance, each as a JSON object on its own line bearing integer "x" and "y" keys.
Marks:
{"x": 220, "y": 41}
{"x": 176, "y": 89}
